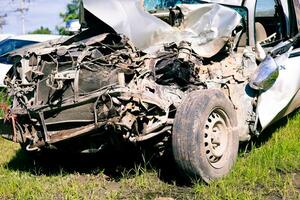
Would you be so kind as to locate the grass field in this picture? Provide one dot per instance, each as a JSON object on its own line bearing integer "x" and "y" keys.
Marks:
{"x": 3, "y": 100}
{"x": 268, "y": 168}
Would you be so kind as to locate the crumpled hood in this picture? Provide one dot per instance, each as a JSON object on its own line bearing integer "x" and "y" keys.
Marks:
{"x": 206, "y": 26}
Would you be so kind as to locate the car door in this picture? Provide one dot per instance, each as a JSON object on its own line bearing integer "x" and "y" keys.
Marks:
{"x": 284, "y": 96}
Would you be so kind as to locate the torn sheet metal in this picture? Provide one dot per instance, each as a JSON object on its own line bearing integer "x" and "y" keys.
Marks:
{"x": 272, "y": 102}
{"x": 130, "y": 19}
{"x": 207, "y": 26}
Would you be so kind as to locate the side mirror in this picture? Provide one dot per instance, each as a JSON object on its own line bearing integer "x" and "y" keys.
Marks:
{"x": 73, "y": 26}
{"x": 266, "y": 74}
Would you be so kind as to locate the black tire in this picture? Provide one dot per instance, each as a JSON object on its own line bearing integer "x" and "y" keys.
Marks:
{"x": 204, "y": 141}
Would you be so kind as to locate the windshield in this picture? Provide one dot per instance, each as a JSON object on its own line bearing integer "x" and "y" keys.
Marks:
{"x": 13, "y": 44}
{"x": 159, "y": 4}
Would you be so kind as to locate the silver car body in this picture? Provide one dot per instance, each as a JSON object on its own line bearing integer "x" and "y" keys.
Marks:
{"x": 283, "y": 97}
{"x": 203, "y": 27}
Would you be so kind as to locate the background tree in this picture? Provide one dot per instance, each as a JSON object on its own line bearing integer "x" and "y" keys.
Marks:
{"x": 72, "y": 12}
{"x": 2, "y": 21}
{"x": 41, "y": 30}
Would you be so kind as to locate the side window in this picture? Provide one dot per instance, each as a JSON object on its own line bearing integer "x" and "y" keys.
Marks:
{"x": 265, "y": 8}
{"x": 269, "y": 22}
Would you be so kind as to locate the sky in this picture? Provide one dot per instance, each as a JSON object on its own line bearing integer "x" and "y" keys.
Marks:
{"x": 40, "y": 13}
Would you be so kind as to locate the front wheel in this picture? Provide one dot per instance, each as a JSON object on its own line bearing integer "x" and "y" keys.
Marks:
{"x": 204, "y": 142}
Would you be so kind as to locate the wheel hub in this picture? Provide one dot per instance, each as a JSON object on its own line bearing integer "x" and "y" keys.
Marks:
{"x": 216, "y": 138}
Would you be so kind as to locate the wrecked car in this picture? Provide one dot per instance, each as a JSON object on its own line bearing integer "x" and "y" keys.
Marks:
{"x": 197, "y": 78}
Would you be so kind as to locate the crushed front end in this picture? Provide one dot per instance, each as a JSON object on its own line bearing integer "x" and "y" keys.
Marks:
{"x": 102, "y": 89}
{"x": 101, "y": 85}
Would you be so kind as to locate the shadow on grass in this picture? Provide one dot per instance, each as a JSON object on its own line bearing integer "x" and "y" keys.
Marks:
{"x": 61, "y": 163}
{"x": 115, "y": 165}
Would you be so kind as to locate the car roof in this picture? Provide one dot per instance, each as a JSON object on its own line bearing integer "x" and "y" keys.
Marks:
{"x": 36, "y": 37}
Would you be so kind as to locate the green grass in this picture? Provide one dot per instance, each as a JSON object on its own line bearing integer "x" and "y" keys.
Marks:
{"x": 4, "y": 100}
{"x": 265, "y": 172}
{"x": 270, "y": 169}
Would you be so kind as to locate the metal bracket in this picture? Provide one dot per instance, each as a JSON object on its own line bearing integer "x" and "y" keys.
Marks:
{"x": 45, "y": 132}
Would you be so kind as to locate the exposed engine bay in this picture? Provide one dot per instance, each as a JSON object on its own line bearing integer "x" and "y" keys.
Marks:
{"x": 105, "y": 83}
